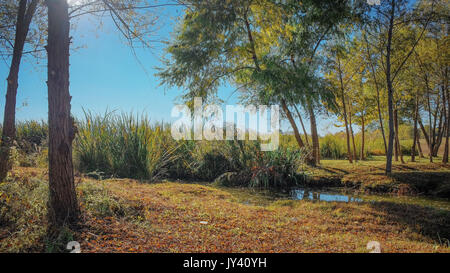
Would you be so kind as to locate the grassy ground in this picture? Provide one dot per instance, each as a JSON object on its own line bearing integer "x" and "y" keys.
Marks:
{"x": 411, "y": 178}
{"x": 129, "y": 216}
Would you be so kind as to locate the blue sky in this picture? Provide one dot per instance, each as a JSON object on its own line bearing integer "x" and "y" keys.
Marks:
{"x": 105, "y": 75}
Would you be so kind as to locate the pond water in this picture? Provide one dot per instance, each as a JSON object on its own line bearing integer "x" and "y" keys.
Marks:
{"x": 318, "y": 195}
{"x": 259, "y": 197}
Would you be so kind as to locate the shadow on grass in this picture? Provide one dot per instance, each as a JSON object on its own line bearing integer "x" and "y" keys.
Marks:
{"x": 426, "y": 182}
{"x": 430, "y": 222}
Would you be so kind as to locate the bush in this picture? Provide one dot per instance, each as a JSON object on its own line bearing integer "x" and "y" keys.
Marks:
{"x": 276, "y": 169}
{"x": 23, "y": 210}
{"x": 253, "y": 168}
{"x": 212, "y": 165}
{"x": 31, "y": 136}
{"x": 333, "y": 147}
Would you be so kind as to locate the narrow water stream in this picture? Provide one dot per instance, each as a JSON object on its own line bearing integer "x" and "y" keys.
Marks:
{"x": 318, "y": 195}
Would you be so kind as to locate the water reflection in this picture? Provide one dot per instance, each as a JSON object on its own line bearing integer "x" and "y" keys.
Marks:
{"x": 315, "y": 195}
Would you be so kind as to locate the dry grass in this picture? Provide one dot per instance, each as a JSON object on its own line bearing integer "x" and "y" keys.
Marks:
{"x": 129, "y": 216}
{"x": 411, "y": 178}
{"x": 174, "y": 217}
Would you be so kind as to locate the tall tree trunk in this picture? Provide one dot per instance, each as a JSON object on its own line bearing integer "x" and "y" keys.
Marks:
{"x": 416, "y": 113}
{"x": 24, "y": 17}
{"x": 349, "y": 151}
{"x": 303, "y": 125}
{"x": 446, "y": 149}
{"x": 424, "y": 131}
{"x": 390, "y": 90}
{"x": 430, "y": 133}
{"x": 314, "y": 134}
{"x": 363, "y": 140}
{"x": 419, "y": 147}
{"x": 293, "y": 124}
{"x": 63, "y": 205}
{"x": 377, "y": 88}
{"x": 397, "y": 138}
{"x": 396, "y": 144}
{"x": 351, "y": 132}
{"x": 447, "y": 95}
{"x": 441, "y": 129}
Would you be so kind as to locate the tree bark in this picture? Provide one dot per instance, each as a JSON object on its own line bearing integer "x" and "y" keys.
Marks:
{"x": 24, "y": 17}
{"x": 63, "y": 205}
{"x": 419, "y": 147}
{"x": 293, "y": 124}
{"x": 430, "y": 133}
{"x": 363, "y": 140}
{"x": 447, "y": 95}
{"x": 349, "y": 152}
{"x": 390, "y": 90}
{"x": 351, "y": 133}
{"x": 314, "y": 135}
{"x": 303, "y": 125}
{"x": 446, "y": 149}
{"x": 416, "y": 113}
{"x": 377, "y": 88}
{"x": 424, "y": 131}
{"x": 397, "y": 138}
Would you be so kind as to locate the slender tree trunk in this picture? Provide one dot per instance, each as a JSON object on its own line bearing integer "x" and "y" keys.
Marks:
{"x": 430, "y": 133}
{"x": 447, "y": 95}
{"x": 424, "y": 131}
{"x": 363, "y": 140}
{"x": 63, "y": 205}
{"x": 438, "y": 135}
{"x": 351, "y": 133}
{"x": 416, "y": 113}
{"x": 434, "y": 134}
{"x": 446, "y": 149}
{"x": 419, "y": 147}
{"x": 24, "y": 17}
{"x": 314, "y": 134}
{"x": 390, "y": 90}
{"x": 377, "y": 88}
{"x": 397, "y": 137}
{"x": 349, "y": 152}
{"x": 303, "y": 125}
{"x": 293, "y": 124}
{"x": 396, "y": 144}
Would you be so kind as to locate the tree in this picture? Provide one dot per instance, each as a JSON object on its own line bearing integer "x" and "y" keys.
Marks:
{"x": 266, "y": 48}
{"x": 63, "y": 205}
{"x": 25, "y": 14}
{"x": 342, "y": 70}
{"x": 389, "y": 16}
{"x": 131, "y": 18}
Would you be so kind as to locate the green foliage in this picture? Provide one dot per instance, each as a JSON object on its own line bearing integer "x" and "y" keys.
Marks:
{"x": 23, "y": 210}
{"x": 333, "y": 147}
{"x": 30, "y": 147}
{"x": 123, "y": 146}
{"x": 96, "y": 199}
{"x": 128, "y": 147}
{"x": 277, "y": 169}
{"x": 31, "y": 134}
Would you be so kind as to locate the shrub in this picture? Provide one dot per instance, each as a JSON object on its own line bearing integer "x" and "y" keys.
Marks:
{"x": 212, "y": 165}
{"x": 333, "y": 147}
{"x": 23, "y": 209}
{"x": 276, "y": 169}
{"x": 30, "y": 135}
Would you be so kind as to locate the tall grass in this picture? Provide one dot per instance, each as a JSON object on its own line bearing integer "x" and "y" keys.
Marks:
{"x": 123, "y": 145}
{"x": 130, "y": 146}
